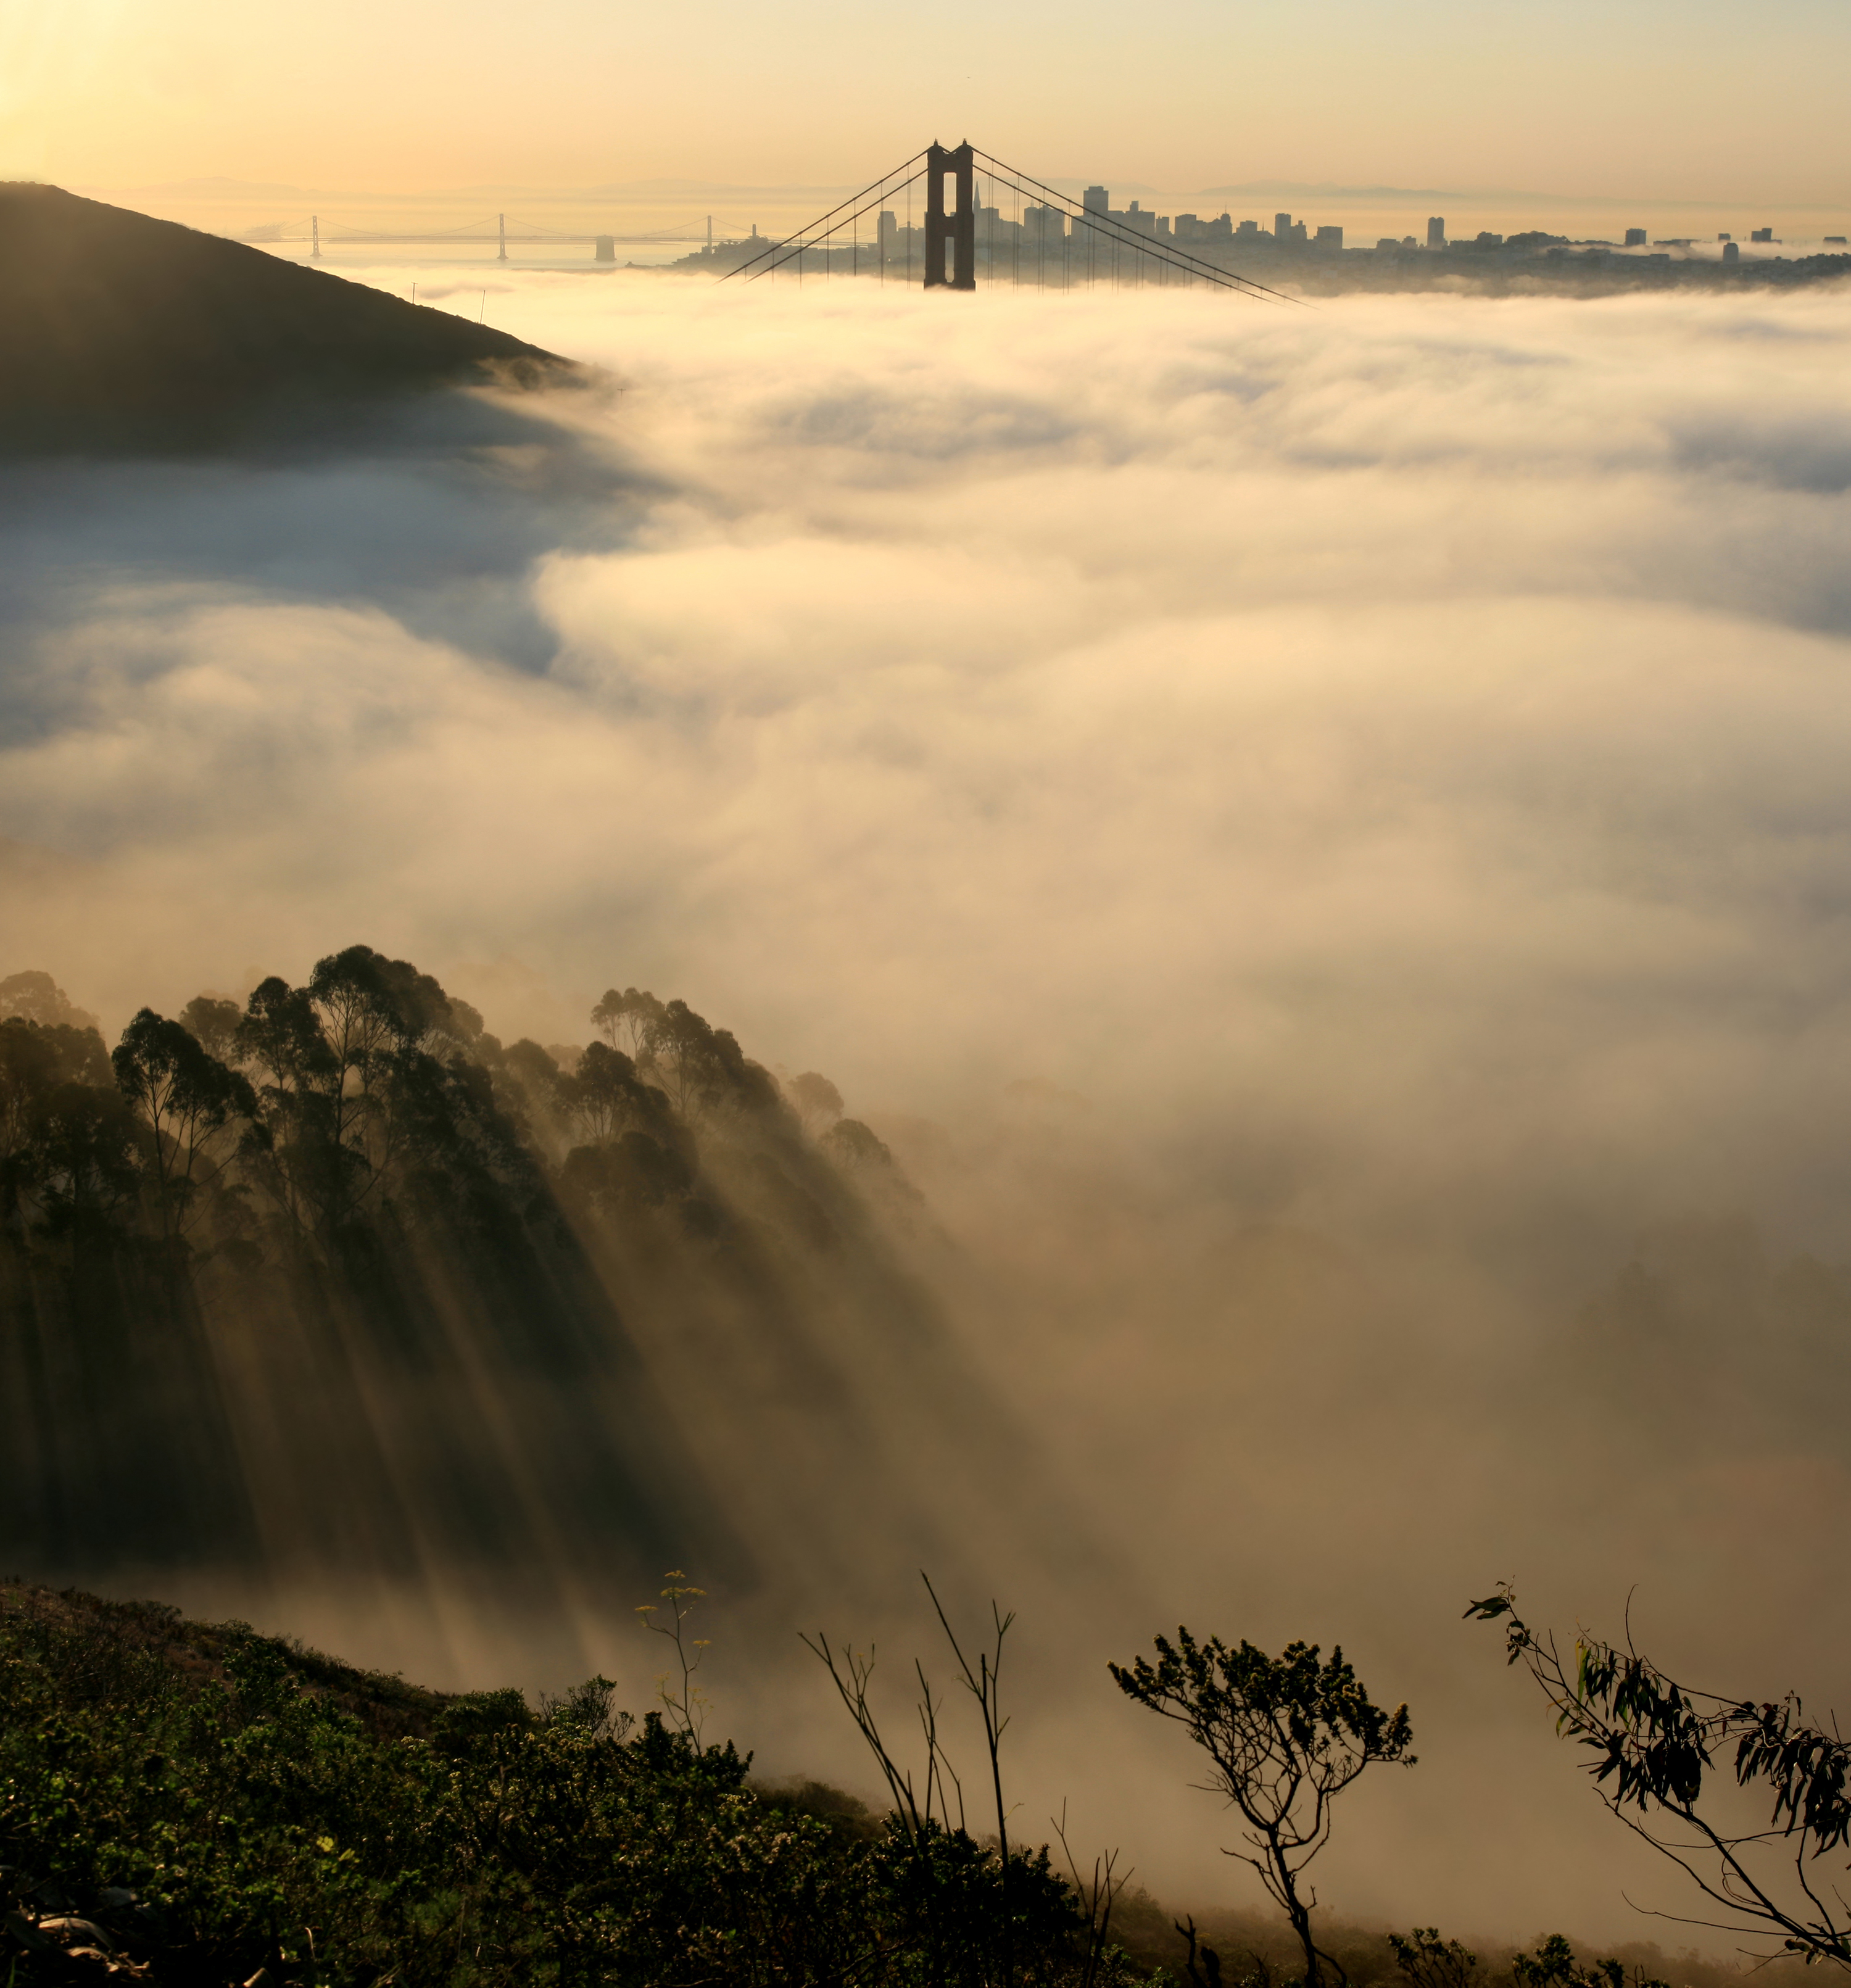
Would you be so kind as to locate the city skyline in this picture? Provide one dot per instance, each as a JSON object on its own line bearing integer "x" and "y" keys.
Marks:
{"x": 660, "y": 223}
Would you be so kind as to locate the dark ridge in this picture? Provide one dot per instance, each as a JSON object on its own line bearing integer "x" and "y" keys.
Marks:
{"x": 118, "y": 332}
{"x": 98, "y": 1642}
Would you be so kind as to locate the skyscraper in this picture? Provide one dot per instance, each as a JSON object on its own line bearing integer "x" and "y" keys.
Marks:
{"x": 1436, "y": 230}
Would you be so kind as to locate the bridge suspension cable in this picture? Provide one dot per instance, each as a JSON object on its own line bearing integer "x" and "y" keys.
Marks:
{"x": 1119, "y": 233}
{"x": 814, "y": 233}
{"x": 950, "y": 243}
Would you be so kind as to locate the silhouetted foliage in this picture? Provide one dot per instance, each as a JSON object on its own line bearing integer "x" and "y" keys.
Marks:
{"x": 852, "y": 1142}
{"x": 628, "y": 1018}
{"x": 1553, "y": 1965}
{"x": 191, "y": 1105}
{"x": 1425, "y": 1960}
{"x": 33, "y": 996}
{"x": 1286, "y": 1735}
{"x": 1656, "y": 1743}
{"x": 818, "y": 1101}
{"x": 1428, "y": 1961}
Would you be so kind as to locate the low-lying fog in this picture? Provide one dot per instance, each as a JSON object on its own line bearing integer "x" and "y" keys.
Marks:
{"x": 1319, "y": 836}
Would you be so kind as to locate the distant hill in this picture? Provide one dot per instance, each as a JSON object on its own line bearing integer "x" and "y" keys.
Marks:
{"x": 117, "y": 331}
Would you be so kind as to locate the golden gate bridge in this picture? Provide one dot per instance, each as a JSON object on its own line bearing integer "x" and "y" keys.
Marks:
{"x": 1048, "y": 239}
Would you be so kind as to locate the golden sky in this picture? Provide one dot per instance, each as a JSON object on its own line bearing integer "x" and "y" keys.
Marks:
{"x": 1637, "y": 98}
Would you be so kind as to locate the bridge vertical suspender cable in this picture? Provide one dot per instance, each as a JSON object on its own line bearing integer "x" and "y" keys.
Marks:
{"x": 775, "y": 255}
{"x": 1122, "y": 236}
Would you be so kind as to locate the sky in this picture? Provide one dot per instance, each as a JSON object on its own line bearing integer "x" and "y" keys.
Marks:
{"x": 1632, "y": 99}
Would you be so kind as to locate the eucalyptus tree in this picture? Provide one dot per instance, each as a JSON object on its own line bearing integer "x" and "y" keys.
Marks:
{"x": 1660, "y": 1749}
{"x": 1284, "y": 1736}
{"x": 194, "y": 1106}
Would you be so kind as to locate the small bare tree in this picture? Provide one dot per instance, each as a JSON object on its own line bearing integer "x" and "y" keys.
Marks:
{"x": 683, "y": 1701}
{"x": 923, "y": 1806}
{"x": 851, "y": 1670}
{"x": 1096, "y": 1897}
{"x": 1287, "y": 1735}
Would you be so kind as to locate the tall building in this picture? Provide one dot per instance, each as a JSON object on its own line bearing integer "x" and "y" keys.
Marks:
{"x": 1731, "y": 252}
{"x": 1635, "y": 237}
{"x": 1045, "y": 224}
{"x": 1436, "y": 230}
{"x": 1281, "y": 228}
{"x": 1329, "y": 239}
{"x": 1761, "y": 234}
{"x": 1097, "y": 200}
{"x": 890, "y": 228}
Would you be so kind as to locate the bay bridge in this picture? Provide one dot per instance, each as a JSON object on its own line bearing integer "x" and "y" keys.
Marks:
{"x": 937, "y": 219}
{"x": 470, "y": 233}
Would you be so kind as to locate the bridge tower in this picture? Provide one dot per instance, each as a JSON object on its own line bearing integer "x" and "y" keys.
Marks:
{"x": 955, "y": 230}
{"x": 315, "y": 235}
{"x": 501, "y": 229}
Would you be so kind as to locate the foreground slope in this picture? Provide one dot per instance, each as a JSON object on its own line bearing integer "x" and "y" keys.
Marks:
{"x": 118, "y": 330}
{"x": 196, "y": 1805}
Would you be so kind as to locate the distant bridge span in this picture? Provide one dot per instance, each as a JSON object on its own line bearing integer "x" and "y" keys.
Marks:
{"x": 483, "y": 232}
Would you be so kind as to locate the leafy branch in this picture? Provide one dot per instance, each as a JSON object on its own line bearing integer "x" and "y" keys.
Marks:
{"x": 1657, "y": 1744}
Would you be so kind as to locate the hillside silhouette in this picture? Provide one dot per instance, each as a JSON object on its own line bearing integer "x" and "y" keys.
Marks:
{"x": 121, "y": 332}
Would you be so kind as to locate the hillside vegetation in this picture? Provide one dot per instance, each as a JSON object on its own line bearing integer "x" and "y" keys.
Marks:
{"x": 209, "y": 1803}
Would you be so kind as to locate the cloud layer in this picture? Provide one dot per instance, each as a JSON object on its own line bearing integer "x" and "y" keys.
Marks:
{"x": 1435, "y": 697}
